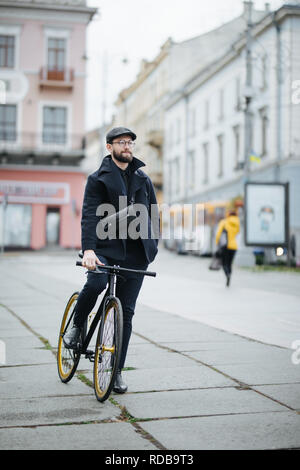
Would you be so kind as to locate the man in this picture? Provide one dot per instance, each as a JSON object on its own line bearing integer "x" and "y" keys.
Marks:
{"x": 118, "y": 176}
{"x": 229, "y": 227}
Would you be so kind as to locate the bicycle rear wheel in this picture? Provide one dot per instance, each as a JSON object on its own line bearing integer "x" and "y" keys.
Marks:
{"x": 67, "y": 359}
{"x": 108, "y": 348}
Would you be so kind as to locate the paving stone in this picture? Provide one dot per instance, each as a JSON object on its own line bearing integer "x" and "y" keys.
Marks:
{"x": 197, "y": 403}
{"x": 37, "y": 381}
{"x": 55, "y": 410}
{"x": 255, "y": 431}
{"x": 108, "y": 436}
{"x": 289, "y": 394}
{"x": 266, "y": 372}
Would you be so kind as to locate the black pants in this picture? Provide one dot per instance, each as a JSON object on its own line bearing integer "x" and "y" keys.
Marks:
{"x": 127, "y": 290}
{"x": 227, "y": 259}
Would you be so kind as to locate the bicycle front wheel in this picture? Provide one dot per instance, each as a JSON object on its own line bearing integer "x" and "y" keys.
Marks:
{"x": 108, "y": 348}
{"x": 67, "y": 359}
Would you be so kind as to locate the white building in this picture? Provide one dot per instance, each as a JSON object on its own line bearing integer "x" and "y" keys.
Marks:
{"x": 205, "y": 124}
{"x": 141, "y": 106}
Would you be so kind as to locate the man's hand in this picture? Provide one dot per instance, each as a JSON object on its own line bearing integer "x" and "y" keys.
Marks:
{"x": 90, "y": 260}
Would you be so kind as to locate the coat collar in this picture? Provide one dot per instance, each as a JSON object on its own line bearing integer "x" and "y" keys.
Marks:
{"x": 110, "y": 175}
{"x": 108, "y": 165}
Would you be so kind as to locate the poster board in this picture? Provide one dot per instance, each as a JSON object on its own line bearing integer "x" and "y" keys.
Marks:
{"x": 266, "y": 214}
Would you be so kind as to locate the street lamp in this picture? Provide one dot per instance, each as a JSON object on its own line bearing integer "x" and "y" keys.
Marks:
{"x": 248, "y": 90}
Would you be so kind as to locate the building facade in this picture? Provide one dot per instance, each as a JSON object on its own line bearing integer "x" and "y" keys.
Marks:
{"x": 42, "y": 127}
{"x": 204, "y": 152}
{"x": 142, "y": 105}
{"x": 141, "y": 108}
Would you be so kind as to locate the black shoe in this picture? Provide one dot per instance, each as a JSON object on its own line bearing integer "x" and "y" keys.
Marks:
{"x": 228, "y": 280}
{"x": 119, "y": 386}
{"x": 71, "y": 338}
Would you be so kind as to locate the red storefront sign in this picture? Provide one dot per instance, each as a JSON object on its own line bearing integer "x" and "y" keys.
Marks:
{"x": 35, "y": 192}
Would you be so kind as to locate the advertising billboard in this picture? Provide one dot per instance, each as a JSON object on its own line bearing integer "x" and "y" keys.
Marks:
{"x": 266, "y": 214}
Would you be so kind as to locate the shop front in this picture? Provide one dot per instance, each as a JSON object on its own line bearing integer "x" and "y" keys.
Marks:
{"x": 40, "y": 208}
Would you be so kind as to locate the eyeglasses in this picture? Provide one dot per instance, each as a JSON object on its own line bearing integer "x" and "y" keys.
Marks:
{"x": 122, "y": 143}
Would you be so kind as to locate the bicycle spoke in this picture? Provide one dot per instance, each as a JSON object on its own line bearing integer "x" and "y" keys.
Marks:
{"x": 67, "y": 359}
{"x": 107, "y": 350}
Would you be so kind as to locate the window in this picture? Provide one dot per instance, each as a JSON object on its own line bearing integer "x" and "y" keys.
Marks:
{"x": 192, "y": 122}
{"x": 170, "y": 180}
{"x": 191, "y": 170}
{"x": 264, "y": 127}
{"x": 221, "y": 154}
{"x": 17, "y": 231}
{"x": 175, "y": 174}
{"x": 237, "y": 144}
{"x": 221, "y": 104}
{"x": 178, "y": 130}
{"x": 56, "y": 54}
{"x": 153, "y": 91}
{"x": 174, "y": 184}
{"x": 171, "y": 136}
{"x": 206, "y": 114}
{"x": 8, "y": 122}
{"x": 238, "y": 104}
{"x": 54, "y": 125}
{"x": 57, "y": 60}
{"x": 205, "y": 163}
{"x": 7, "y": 51}
{"x": 264, "y": 69}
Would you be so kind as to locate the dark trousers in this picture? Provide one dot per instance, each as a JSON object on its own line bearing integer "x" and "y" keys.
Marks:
{"x": 227, "y": 259}
{"x": 127, "y": 290}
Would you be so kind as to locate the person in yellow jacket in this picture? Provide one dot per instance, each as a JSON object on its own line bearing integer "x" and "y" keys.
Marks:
{"x": 227, "y": 231}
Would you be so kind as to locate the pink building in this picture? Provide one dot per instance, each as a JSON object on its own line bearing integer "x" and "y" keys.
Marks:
{"x": 42, "y": 121}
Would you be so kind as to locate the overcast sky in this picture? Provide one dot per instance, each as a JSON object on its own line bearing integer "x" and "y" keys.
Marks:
{"x": 125, "y": 32}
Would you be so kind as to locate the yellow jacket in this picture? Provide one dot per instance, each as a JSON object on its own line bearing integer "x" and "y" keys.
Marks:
{"x": 232, "y": 225}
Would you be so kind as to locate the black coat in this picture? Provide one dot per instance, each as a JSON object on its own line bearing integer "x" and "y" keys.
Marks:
{"x": 105, "y": 186}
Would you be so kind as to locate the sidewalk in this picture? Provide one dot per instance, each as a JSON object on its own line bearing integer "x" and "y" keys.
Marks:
{"x": 191, "y": 386}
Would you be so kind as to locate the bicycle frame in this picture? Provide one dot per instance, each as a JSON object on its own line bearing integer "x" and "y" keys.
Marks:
{"x": 113, "y": 272}
{"x": 108, "y": 326}
{"x": 110, "y": 292}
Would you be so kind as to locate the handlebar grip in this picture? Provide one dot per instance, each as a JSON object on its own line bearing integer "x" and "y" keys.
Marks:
{"x": 115, "y": 268}
{"x": 149, "y": 273}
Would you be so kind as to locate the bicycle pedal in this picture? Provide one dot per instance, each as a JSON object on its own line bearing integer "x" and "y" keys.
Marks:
{"x": 90, "y": 355}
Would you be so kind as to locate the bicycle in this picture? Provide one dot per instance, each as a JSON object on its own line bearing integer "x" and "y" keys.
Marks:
{"x": 106, "y": 355}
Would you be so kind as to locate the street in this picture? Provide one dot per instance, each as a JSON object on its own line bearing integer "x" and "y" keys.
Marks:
{"x": 263, "y": 306}
{"x": 208, "y": 367}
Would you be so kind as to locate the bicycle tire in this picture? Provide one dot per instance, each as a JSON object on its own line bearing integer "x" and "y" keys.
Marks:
{"x": 67, "y": 359}
{"x": 108, "y": 348}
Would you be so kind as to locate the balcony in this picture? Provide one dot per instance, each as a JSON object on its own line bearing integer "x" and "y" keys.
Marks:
{"x": 41, "y": 149}
{"x": 55, "y": 78}
{"x": 157, "y": 179}
{"x": 155, "y": 139}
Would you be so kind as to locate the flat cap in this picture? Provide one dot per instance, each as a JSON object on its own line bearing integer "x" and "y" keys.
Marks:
{"x": 117, "y": 131}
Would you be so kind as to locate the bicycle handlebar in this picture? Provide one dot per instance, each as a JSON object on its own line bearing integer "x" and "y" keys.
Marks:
{"x": 115, "y": 269}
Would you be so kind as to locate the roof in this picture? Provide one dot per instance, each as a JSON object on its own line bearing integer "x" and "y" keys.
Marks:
{"x": 78, "y": 6}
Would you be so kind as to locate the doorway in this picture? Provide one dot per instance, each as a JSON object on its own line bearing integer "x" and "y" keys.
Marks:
{"x": 52, "y": 226}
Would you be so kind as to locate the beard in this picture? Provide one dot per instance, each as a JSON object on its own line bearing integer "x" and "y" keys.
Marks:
{"x": 123, "y": 156}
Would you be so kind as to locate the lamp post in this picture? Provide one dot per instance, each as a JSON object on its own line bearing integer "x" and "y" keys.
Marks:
{"x": 248, "y": 91}
{"x": 4, "y": 205}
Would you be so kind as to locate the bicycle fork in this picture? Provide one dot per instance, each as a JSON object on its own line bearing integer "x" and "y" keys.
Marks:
{"x": 112, "y": 284}
{"x": 111, "y": 293}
